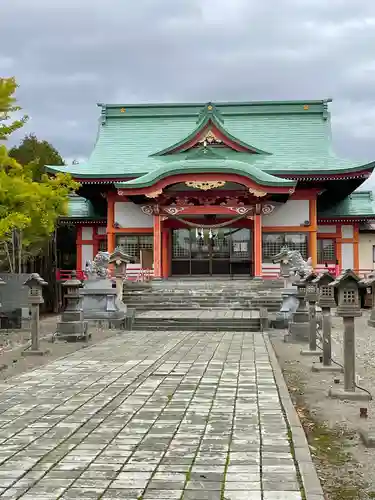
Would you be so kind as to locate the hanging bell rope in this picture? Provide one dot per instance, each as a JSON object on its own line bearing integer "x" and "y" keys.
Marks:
{"x": 208, "y": 226}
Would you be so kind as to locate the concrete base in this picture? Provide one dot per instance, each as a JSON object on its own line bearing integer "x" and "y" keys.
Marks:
{"x": 317, "y": 367}
{"x": 367, "y": 439}
{"x": 310, "y": 353}
{"x": 30, "y": 352}
{"x": 299, "y": 331}
{"x": 349, "y": 395}
{"x": 291, "y": 340}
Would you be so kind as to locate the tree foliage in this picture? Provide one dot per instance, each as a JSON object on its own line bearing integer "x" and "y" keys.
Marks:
{"x": 27, "y": 206}
{"x": 38, "y": 152}
{"x": 8, "y": 106}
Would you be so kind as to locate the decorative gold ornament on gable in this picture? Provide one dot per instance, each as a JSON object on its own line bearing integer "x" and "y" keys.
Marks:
{"x": 154, "y": 194}
{"x": 205, "y": 185}
{"x": 258, "y": 194}
{"x": 210, "y": 138}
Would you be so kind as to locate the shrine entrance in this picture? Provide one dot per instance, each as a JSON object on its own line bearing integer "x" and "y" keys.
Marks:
{"x": 212, "y": 251}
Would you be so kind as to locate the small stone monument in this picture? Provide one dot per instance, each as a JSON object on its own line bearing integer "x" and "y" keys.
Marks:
{"x": 299, "y": 326}
{"x": 326, "y": 301}
{"x": 369, "y": 283}
{"x": 120, "y": 260}
{"x": 312, "y": 298}
{"x": 100, "y": 302}
{"x": 347, "y": 285}
{"x": 292, "y": 267}
{"x": 35, "y": 298}
{"x": 72, "y": 326}
{"x": 2, "y": 283}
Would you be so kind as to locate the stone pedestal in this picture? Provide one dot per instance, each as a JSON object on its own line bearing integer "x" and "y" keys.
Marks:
{"x": 72, "y": 326}
{"x": 288, "y": 307}
{"x": 371, "y": 320}
{"x": 100, "y": 302}
{"x": 349, "y": 395}
{"x": 299, "y": 326}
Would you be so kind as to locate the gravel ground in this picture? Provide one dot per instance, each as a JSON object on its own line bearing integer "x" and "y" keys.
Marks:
{"x": 13, "y": 342}
{"x": 338, "y": 414}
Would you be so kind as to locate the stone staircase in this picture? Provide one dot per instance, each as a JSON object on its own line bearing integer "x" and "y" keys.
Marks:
{"x": 201, "y": 305}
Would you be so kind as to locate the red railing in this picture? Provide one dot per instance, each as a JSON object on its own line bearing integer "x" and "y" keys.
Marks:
{"x": 66, "y": 274}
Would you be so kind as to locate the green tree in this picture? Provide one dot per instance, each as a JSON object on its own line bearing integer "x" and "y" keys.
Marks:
{"x": 28, "y": 208}
{"x": 8, "y": 106}
{"x": 38, "y": 152}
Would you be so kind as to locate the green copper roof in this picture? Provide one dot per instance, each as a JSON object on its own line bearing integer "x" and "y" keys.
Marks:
{"x": 80, "y": 208}
{"x": 296, "y": 134}
{"x": 210, "y": 165}
{"x": 358, "y": 204}
{"x": 210, "y": 114}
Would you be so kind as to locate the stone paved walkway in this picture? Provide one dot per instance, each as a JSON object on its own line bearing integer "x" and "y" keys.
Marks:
{"x": 167, "y": 415}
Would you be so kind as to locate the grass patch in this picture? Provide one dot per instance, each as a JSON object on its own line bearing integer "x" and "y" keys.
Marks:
{"x": 330, "y": 449}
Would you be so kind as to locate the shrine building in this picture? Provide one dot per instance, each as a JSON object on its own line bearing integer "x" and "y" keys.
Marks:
{"x": 218, "y": 188}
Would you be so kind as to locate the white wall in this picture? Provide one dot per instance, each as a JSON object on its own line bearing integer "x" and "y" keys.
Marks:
{"x": 347, "y": 255}
{"x": 347, "y": 231}
{"x": 128, "y": 214}
{"x": 87, "y": 233}
{"x": 291, "y": 213}
{"x": 366, "y": 242}
{"x": 327, "y": 229}
{"x": 87, "y": 254}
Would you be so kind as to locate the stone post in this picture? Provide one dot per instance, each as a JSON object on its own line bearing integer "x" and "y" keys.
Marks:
{"x": 299, "y": 326}
{"x": 35, "y": 298}
{"x": 263, "y": 316}
{"x": 2, "y": 283}
{"x": 349, "y": 354}
{"x": 348, "y": 308}
{"x": 72, "y": 326}
{"x": 120, "y": 261}
{"x": 312, "y": 297}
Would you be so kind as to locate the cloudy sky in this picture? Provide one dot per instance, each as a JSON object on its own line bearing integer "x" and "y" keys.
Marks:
{"x": 67, "y": 55}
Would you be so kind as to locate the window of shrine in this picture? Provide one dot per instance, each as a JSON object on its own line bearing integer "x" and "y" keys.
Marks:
{"x": 272, "y": 244}
{"x": 326, "y": 251}
{"x": 132, "y": 244}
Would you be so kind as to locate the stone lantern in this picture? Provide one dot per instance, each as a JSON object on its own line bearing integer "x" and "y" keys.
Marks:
{"x": 311, "y": 295}
{"x": 369, "y": 284}
{"x": 299, "y": 326}
{"x": 348, "y": 299}
{"x": 120, "y": 260}
{"x": 72, "y": 325}
{"x": 347, "y": 286}
{"x": 35, "y": 297}
{"x": 326, "y": 301}
{"x": 326, "y": 294}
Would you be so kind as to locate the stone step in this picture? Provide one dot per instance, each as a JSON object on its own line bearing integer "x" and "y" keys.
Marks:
{"x": 191, "y": 306}
{"x": 238, "y": 325}
{"x": 202, "y": 298}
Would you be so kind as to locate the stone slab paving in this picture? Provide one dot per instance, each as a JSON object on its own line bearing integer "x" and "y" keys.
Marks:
{"x": 149, "y": 416}
{"x": 200, "y": 314}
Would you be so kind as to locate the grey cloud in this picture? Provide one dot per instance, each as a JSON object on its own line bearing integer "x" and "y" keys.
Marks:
{"x": 68, "y": 55}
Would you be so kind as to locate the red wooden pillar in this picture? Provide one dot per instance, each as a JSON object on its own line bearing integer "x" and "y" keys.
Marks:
{"x": 165, "y": 253}
{"x": 157, "y": 247}
{"x": 257, "y": 244}
{"x": 110, "y": 223}
{"x": 79, "y": 248}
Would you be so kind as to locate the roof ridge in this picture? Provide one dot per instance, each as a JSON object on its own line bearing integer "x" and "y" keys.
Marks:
{"x": 215, "y": 103}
